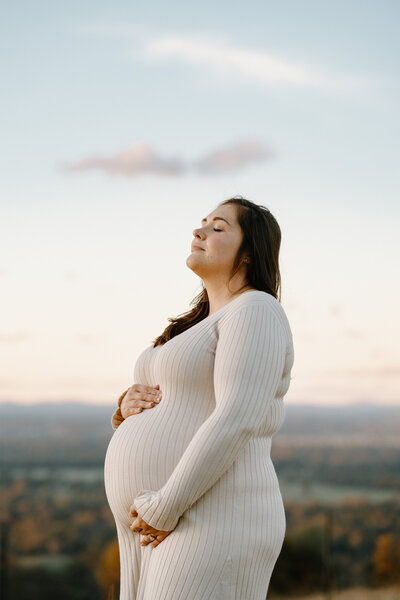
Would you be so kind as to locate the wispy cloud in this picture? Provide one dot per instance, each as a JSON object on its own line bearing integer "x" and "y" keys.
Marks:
{"x": 216, "y": 53}
{"x": 233, "y": 157}
{"x": 138, "y": 159}
{"x": 141, "y": 158}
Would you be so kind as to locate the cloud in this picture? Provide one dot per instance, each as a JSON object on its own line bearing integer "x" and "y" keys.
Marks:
{"x": 141, "y": 159}
{"x": 137, "y": 160}
{"x": 215, "y": 53}
{"x": 233, "y": 157}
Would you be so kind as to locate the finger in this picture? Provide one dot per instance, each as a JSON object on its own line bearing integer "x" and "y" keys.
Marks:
{"x": 160, "y": 537}
{"x": 139, "y": 526}
{"x": 146, "y": 540}
{"x": 136, "y": 527}
{"x": 140, "y": 405}
{"x": 157, "y": 541}
{"x": 128, "y": 413}
{"x": 153, "y": 397}
{"x": 147, "y": 402}
{"x": 148, "y": 530}
{"x": 134, "y": 410}
{"x": 153, "y": 389}
{"x": 142, "y": 389}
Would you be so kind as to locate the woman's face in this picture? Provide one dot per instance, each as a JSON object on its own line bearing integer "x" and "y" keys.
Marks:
{"x": 219, "y": 240}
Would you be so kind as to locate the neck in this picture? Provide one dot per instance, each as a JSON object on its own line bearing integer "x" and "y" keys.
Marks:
{"x": 219, "y": 294}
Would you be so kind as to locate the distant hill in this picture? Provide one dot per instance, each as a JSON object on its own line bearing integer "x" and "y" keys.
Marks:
{"x": 359, "y": 423}
{"x": 346, "y": 417}
{"x": 345, "y": 445}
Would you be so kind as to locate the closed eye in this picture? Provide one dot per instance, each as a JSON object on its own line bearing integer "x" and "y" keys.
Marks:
{"x": 218, "y": 229}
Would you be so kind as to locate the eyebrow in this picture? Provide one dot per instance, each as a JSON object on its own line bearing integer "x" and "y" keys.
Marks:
{"x": 216, "y": 219}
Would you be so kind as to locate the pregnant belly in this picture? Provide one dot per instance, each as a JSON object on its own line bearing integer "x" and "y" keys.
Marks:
{"x": 143, "y": 452}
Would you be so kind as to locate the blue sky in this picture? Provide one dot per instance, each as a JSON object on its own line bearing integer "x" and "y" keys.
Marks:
{"x": 126, "y": 123}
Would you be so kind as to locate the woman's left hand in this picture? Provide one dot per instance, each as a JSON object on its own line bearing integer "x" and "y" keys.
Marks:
{"x": 147, "y": 531}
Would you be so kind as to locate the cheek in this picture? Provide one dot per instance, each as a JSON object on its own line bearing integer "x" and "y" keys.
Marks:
{"x": 222, "y": 249}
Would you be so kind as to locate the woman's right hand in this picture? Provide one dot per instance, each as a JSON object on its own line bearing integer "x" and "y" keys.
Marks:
{"x": 138, "y": 397}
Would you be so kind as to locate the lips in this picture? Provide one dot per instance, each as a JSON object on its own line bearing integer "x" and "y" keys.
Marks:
{"x": 196, "y": 248}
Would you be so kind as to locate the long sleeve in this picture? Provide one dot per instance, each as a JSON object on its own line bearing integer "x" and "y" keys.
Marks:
{"x": 249, "y": 362}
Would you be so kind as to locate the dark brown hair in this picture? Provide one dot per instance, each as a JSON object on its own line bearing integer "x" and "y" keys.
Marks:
{"x": 261, "y": 243}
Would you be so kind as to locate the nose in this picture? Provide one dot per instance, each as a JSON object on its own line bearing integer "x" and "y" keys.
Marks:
{"x": 197, "y": 233}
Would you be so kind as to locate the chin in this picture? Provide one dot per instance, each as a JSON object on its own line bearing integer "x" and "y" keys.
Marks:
{"x": 193, "y": 265}
{"x": 192, "y": 259}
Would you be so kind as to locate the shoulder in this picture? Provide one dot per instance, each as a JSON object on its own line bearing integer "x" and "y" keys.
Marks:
{"x": 255, "y": 304}
{"x": 250, "y": 301}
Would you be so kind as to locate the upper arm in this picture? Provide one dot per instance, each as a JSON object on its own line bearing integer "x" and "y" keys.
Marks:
{"x": 249, "y": 362}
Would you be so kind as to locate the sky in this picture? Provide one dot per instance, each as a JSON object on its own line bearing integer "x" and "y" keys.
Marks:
{"x": 125, "y": 123}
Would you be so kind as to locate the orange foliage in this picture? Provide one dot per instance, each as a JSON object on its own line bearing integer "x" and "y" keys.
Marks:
{"x": 108, "y": 571}
{"x": 386, "y": 558}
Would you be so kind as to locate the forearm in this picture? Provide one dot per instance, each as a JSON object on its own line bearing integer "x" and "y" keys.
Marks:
{"x": 249, "y": 363}
{"x": 210, "y": 453}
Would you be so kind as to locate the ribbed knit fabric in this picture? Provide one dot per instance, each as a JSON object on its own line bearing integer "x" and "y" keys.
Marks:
{"x": 198, "y": 463}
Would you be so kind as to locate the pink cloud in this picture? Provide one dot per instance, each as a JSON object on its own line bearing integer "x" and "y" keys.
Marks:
{"x": 141, "y": 159}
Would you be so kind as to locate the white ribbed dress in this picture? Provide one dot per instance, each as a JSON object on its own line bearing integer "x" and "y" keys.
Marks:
{"x": 198, "y": 463}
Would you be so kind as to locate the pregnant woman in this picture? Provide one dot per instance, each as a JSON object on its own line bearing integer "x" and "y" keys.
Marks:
{"x": 189, "y": 478}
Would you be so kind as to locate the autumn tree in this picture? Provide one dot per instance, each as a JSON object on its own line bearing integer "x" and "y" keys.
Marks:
{"x": 386, "y": 559}
{"x": 108, "y": 571}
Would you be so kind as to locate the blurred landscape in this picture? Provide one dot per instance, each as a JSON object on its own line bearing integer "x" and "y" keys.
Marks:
{"x": 338, "y": 467}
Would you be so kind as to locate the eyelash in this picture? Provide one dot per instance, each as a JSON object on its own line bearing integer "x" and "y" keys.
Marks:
{"x": 218, "y": 229}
